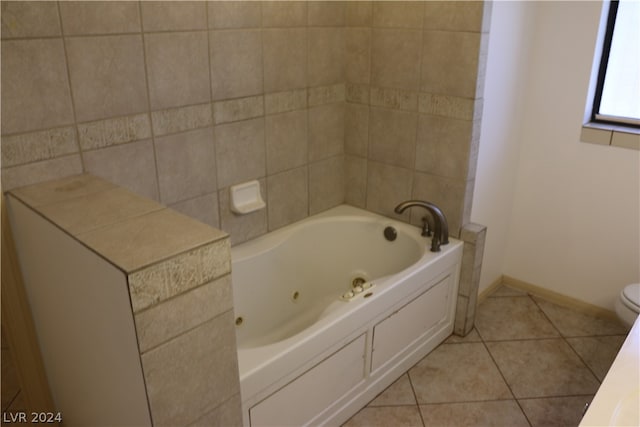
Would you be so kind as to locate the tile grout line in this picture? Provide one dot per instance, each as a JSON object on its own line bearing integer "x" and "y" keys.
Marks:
{"x": 503, "y": 378}
{"x": 564, "y": 339}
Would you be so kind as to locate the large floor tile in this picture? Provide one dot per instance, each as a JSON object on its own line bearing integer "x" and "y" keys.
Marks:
{"x": 385, "y": 416}
{"x": 570, "y": 323}
{"x": 398, "y": 393}
{"x": 458, "y": 373}
{"x": 555, "y": 411}
{"x": 495, "y": 413}
{"x": 509, "y": 318}
{"x": 542, "y": 368}
{"x": 597, "y": 352}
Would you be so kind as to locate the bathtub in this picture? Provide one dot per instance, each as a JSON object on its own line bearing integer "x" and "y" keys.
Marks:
{"x": 329, "y": 312}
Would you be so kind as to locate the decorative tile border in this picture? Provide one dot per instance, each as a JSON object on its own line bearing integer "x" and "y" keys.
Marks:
{"x": 394, "y": 98}
{"x": 425, "y": 103}
{"x": 281, "y": 102}
{"x": 326, "y": 95}
{"x": 238, "y": 109}
{"x": 104, "y": 133}
{"x": 162, "y": 281}
{"x": 180, "y": 119}
{"x": 36, "y": 146}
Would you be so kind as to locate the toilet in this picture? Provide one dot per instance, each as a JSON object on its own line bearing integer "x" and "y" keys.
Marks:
{"x": 628, "y": 304}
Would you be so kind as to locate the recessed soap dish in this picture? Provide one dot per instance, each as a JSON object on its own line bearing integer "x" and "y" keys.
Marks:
{"x": 246, "y": 198}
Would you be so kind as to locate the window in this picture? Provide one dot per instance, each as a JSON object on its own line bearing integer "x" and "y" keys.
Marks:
{"x": 617, "y": 94}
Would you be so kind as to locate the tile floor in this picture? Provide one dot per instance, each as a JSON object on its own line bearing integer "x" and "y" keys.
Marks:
{"x": 528, "y": 362}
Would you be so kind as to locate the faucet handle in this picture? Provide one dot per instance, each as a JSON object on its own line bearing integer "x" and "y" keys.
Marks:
{"x": 427, "y": 226}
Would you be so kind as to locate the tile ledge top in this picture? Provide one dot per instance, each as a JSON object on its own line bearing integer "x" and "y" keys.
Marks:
{"x": 135, "y": 239}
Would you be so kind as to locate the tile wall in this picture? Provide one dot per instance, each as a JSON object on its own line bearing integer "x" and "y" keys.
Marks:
{"x": 414, "y": 73}
{"x": 177, "y": 101}
{"x": 322, "y": 102}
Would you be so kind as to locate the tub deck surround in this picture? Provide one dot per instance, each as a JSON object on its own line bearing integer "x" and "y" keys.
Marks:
{"x": 346, "y": 351}
{"x": 178, "y": 286}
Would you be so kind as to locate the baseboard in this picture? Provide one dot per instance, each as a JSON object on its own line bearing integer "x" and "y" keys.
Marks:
{"x": 490, "y": 289}
{"x": 557, "y": 298}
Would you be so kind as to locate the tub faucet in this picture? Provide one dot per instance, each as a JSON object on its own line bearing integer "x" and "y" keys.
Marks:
{"x": 440, "y": 226}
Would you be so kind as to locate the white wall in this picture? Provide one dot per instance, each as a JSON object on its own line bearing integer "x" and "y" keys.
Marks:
{"x": 507, "y": 65}
{"x": 575, "y": 222}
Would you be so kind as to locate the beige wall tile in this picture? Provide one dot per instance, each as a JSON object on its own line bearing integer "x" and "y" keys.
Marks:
{"x": 453, "y": 16}
{"x": 240, "y": 152}
{"x": 233, "y": 110}
{"x": 186, "y": 165}
{"x": 202, "y": 357}
{"x": 395, "y": 60}
{"x": 104, "y": 133}
{"x": 326, "y": 13}
{"x": 235, "y": 14}
{"x": 178, "y": 69}
{"x": 32, "y": 173}
{"x": 171, "y": 318}
{"x": 173, "y": 15}
{"x": 357, "y": 55}
{"x": 284, "y": 13}
{"x": 202, "y": 208}
{"x": 398, "y": 14}
{"x": 242, "y": 227}
{"x": 356, "y": 130}
{"x": 447, "y": 193}
{"x": 35, "y": 89}
{"x": 36, "y": 146}
{"x": 181, "y": 119}
{"x": 286, "y": 141}
{"x": 98, "y": 209}
{"x": 326, "y": 56}
{"x": 131, "y": 166}
{"x": 285, "y": 59}
{"x": 99, "y": 17}
{"x": 29, "y": 19}
{"x": 107, "y": 76}
{"x": 355, "y": 181}
{"x": 236, "y": 63}
{"x": 326, "y": 131}
{"x": 443, "y": 146}
{"x": 287, "y": 197}
{"x": 386, "y": 187}
{"x": 393, "y": 137}
{"x": 359, "y": 13}
{"x": 326, "y": 184}
{"x": 453, "y": 65}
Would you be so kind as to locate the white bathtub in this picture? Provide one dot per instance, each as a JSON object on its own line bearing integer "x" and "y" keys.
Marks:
{"x": 306, "y": 355}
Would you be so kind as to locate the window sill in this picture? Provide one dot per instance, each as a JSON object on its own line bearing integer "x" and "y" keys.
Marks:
{"x": 613, "y": 135}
